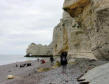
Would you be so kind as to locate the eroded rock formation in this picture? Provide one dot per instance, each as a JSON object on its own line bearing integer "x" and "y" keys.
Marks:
{"x": 93, "y": 17}
{"x": 38, "y": 50}
{"x": 70, "y": 37}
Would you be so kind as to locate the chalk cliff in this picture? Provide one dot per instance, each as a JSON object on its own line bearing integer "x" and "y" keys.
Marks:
{"x": 83, "y": 31}
{"x": 69, "y": 37}
{"x": 93, "y": 18}
{"x": 34, "y": 49}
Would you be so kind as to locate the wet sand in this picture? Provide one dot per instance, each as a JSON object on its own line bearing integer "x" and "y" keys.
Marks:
{"x": 29, "y": 75}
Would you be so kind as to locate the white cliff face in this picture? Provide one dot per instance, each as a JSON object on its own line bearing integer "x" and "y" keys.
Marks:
{"x": 69, "y": 37}
{"x": 34, "y": 49}
{"x": 93, "y": 15}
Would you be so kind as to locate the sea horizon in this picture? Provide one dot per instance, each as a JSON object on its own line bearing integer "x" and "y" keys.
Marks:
{"x": 8, "y": 59}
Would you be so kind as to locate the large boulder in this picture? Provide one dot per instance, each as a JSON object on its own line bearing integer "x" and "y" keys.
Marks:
{"x": 98, "y": 75}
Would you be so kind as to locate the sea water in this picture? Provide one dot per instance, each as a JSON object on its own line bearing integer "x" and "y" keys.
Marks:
{"x": 7, "y": 59}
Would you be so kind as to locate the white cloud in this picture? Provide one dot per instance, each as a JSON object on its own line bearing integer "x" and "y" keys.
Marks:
{"x": 26, "y": 21}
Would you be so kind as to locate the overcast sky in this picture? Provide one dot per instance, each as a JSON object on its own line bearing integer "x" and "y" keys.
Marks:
{"x": 25, "y": 21}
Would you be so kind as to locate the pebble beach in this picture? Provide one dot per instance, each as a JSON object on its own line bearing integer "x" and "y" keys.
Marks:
{"x": 30, "y": 75}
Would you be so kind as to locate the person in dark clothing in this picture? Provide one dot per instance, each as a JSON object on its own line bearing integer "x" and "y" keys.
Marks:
{"x": 63, "y": 61}
{"x": 52, "y": 60}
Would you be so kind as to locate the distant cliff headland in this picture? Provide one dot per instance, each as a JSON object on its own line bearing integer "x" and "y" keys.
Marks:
{"x": 82, "y": 32}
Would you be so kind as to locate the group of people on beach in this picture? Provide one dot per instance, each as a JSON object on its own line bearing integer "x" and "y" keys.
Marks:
{"x": 63, "y": 61}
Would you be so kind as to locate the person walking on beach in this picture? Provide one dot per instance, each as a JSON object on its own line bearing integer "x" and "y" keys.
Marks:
{"x": 63, "y": 61}
{"x": 52, "y": 60}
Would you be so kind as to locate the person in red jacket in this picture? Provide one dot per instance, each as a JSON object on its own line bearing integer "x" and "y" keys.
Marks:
{"x": 42, "y": 61}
